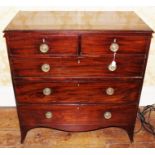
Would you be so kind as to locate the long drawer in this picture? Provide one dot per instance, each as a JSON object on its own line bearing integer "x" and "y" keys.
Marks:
{"x": 107, "y": 91}
{"x": 127, "y": 65}
{"x": 77, "y": 117}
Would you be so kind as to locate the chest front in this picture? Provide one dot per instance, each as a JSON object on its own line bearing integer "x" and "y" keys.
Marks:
{"x": 77, "y": 77}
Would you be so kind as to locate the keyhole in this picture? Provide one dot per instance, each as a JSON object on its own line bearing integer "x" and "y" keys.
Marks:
{"x": 43, "y": 40}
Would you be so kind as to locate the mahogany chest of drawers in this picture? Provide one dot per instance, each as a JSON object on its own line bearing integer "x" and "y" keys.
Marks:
{"x": 77, "y": 71}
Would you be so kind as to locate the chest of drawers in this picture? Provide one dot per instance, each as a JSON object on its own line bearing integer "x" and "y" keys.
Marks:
{"x": 77, "y": 71}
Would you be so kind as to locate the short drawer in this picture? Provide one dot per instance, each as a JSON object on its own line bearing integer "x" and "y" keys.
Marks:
{"x": 99, "y": 44}
{"x": 77, "y": 117}
{"x": 105, "y": 91}
{"x": 43, "y": 44}
{"x": 127, "y": 65}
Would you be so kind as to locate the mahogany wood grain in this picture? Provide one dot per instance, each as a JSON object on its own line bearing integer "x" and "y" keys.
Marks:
{"x": 76, "y": 117}
{"x": 127, "y": 65}
{"x": 31, "y": 92}
{"x": 99, "y": 43}
{"x": 26, "y": 44}
{"x": 96, "y": 44}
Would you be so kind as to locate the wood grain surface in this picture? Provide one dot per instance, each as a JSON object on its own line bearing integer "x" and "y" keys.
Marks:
{"x": 78, "y": 20}
{"x": 127, "y": 66}
{"x": 70, "y": 92}
{"x": 27, "y": 44}
{"x": 76, "y": 117}
{"x": 99, "y": 43}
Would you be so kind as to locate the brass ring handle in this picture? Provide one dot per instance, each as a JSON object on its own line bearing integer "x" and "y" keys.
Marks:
{"x": 114, "y": 47}
{"x": 47, "y": 91}
{"x": 112, "y": 66}
{"x": 44, "y": 48}
{"x": 107, "y": 115}
{"x": 45, "y": 67}
{"x": 48, "y": 115}
{"x": 110, "y": 91}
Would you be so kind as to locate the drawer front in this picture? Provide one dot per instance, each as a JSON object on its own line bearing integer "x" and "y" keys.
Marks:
{"x": 127, "y": 65}
{"x": 26, "y": 44}
{"x": 77, "y": 117}
{"x": 99, "y": 44}
{"x": 107, "y": 91}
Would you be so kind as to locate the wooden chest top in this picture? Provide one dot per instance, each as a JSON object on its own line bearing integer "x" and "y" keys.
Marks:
{"x": 73, "y": 20}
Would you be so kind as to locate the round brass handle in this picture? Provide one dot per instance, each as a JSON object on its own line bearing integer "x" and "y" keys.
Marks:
{"x": 47, "y": 91}
{"x": 112, "y": 67}
{"x": 107, "y": 115}
{"x": 114, "y": 47}
{"x": 110, "y": 91}
{"x": 48, "y": 115}
{"x": 44, "y": 48}
{"x": 45, "y": 67}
